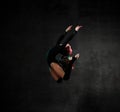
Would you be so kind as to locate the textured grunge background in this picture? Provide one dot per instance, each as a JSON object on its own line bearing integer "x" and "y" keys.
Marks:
{"x": 29, "y": 29}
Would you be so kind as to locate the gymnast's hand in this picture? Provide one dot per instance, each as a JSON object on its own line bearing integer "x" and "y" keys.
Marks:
{"x": 68, "y": 28}
{"x": 78, "y": 27}
{"x": 77, "y": 55}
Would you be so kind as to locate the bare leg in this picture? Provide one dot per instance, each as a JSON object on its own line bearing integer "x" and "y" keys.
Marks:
{"x": 54, "y": 75}
{"x": 56, "y": 71}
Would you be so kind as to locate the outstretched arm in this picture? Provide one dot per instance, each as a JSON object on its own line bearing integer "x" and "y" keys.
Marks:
{"x": 73, "y": 34}
{"x": 63, "y": 35}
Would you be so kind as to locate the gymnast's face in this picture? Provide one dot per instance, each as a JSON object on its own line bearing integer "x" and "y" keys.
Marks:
{"x": 69, "y": 49}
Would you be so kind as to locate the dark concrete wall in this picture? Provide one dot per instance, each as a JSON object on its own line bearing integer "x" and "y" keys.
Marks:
{"x": 29, "y": 29}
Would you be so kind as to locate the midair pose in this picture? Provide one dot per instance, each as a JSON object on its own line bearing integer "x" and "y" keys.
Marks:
{"x": 60, "y": 69}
